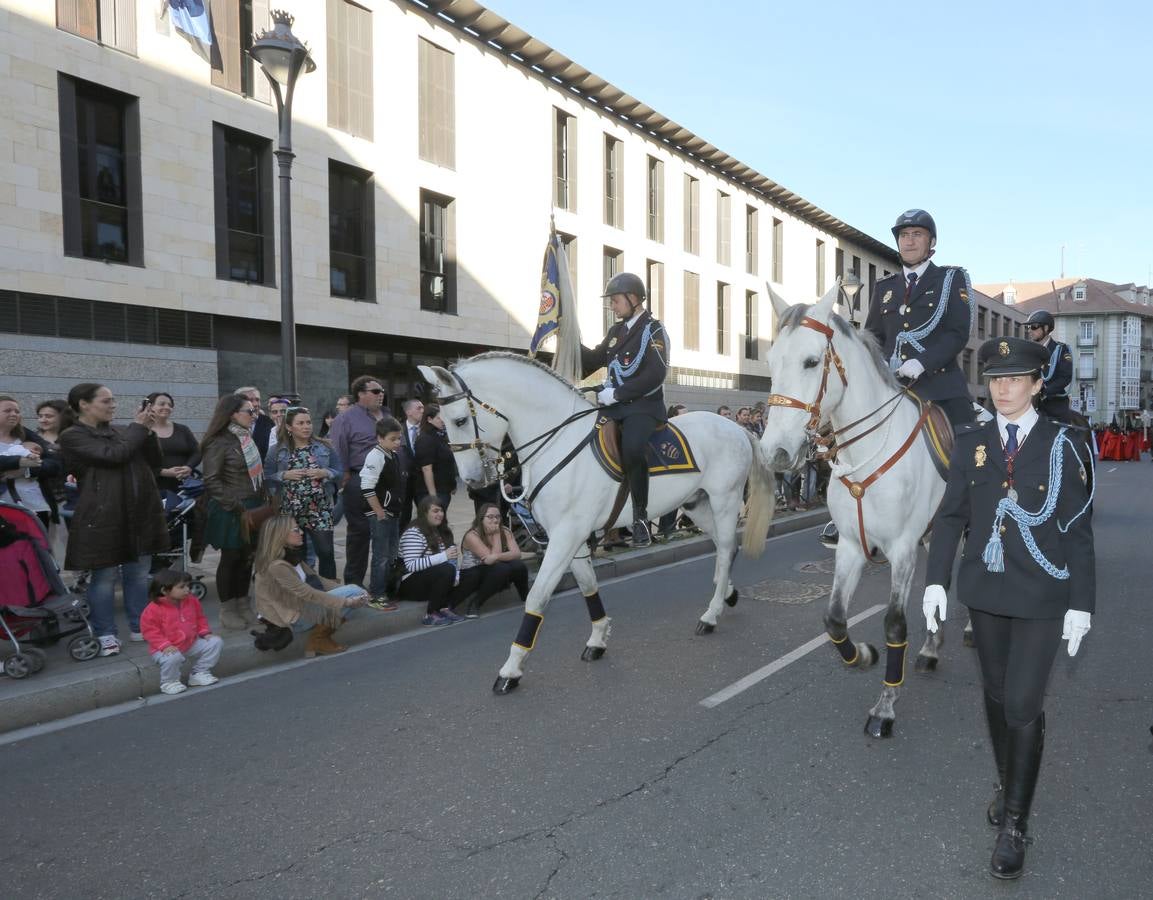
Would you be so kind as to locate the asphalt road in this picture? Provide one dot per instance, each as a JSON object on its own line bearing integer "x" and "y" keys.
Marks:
{"x": 394, "y": 771}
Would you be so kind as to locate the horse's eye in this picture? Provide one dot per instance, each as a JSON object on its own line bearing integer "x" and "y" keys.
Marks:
{"x": 812, "y": 362}
{"x": 459, "y": 423}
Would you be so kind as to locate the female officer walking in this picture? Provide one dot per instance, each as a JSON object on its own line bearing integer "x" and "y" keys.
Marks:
{"x": 1027, "y": 571}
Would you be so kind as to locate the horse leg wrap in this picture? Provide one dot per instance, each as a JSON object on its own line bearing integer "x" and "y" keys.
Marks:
{"x": 529, "y": 626}
{"x": 847, "y": 649}
{"x": 895, "y": 664}
{"x": 596, "y": 608}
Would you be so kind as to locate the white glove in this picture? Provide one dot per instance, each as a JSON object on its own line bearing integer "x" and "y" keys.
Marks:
{"x": 933, "y": 605}
{"x": 911, "y": 369}
{"x": 1076, "y": 627}
{"x": 607, "y": 396}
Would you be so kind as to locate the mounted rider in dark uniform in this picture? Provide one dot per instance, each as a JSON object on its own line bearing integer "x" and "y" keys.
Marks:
{"x": 635, "y": 351}
{"x": 1058, "y": 369}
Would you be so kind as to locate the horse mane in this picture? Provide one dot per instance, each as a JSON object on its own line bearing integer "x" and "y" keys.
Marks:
{"x": 525, "y": 360}
{"x": 794, "y": 314}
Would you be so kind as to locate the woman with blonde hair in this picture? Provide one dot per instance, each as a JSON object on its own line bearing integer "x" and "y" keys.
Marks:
{"x": 292, "y": 598}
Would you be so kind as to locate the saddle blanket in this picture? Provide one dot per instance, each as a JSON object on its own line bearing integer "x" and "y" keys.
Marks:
{"x": 668, "y": 452}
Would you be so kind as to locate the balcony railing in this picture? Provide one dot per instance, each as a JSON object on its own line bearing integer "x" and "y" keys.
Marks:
{"x": 1087, "y": 373}
{"x": 1083, "y": 341}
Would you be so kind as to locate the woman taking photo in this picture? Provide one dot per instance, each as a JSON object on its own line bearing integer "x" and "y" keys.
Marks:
{"x": 436, "y": 467}
{"x": 1017, "y": 488}
{"x": 29, "y": 466}
{"x": 303, "y": 469}
{"x": 118, "y": 522}
{"x": 178, "y": 447}
{"x": 291, "y": 597}
{"x": 234, "y": 482}
{"x": 490, "y": 561}
{"x": 430, "y": 564}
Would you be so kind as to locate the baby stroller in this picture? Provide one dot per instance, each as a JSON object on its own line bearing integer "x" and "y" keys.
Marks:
{"x": 36, "y": 609}
{"x": 179, "y": 511}
{"x": 529, "y": 534}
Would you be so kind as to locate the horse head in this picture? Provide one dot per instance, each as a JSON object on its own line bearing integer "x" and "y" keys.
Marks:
{"x": 807, "y": 377}
{"x": 475, "y": 430}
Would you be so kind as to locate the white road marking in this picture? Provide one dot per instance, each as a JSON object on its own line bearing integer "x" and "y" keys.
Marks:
{"x": 1114, "y": 469}
{"x": 776, "y": 665}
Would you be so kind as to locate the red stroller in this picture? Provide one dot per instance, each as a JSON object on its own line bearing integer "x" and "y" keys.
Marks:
{"x": 36, "y": 609}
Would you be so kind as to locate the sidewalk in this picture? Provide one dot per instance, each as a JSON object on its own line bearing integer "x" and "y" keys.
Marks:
{"x": 66, "y": 688}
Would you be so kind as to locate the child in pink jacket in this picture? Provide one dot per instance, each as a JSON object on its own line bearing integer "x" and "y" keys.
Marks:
{"x": 175, "y": 627}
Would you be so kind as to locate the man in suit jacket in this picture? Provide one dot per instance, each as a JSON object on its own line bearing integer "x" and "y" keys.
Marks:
{"x": 1027, "y": 586}
{"x": 921, "y": 341}
{"x": 410, "y": 472}
{"x": 635, "y": 351}
{"x": 1058, "y": 370}
{"x": 262, "y": 425}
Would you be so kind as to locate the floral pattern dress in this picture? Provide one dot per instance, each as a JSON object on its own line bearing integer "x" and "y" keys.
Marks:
{"x": 306, "y": 500}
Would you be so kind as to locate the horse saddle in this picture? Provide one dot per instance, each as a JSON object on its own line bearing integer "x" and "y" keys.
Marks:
{"x": 939, "y": 437}
{"x": 668, "y": 452}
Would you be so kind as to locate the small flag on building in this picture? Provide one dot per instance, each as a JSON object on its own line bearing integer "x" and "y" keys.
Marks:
{"x": 557, "y": 312}
{"x": 193, "y": 20}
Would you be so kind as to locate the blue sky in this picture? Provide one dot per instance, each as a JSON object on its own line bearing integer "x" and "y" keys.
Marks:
{"x": 1021, "y": 126}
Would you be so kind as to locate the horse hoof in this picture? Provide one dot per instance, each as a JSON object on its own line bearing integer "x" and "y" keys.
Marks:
{"x": 876, "y": 727}
{"x": 504, "y": 685}
{"x": 732, "y": 599}
{"x": 967, "y": 638}
{"x": 925, "y": 664}
{"x": 705, "y": 628}
{"x": 592, "y": 653}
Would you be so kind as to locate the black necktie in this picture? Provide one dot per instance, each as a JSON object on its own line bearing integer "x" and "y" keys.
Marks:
{"x": 912, "y": 283}
{"x": 1011, "y": 443}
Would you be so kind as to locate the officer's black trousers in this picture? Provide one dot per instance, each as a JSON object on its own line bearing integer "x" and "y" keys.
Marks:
{"x": 1016, "y": 659}
{"x": 635, "y": 433}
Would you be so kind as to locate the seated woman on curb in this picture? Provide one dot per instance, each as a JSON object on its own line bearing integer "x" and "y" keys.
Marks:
{"x": 491, "y": 561}
{"x": 291, "y": 597}
{"x": 430, "y": 563}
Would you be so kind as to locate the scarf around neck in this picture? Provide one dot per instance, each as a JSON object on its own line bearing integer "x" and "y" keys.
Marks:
{"x": 251, "y": 454}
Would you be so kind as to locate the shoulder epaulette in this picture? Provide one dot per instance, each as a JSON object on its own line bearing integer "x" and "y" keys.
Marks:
{"x": 968, "y": 428}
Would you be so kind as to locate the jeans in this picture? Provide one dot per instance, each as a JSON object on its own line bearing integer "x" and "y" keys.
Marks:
{"x": 319, "y": 544}
{"x": 206, "y": 651}
{"x": 134, "y": 578}
{"x": 385, "y": 542}
{"x": 312, "y": 615}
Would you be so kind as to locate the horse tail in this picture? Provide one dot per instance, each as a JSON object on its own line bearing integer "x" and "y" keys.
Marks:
{"x": 762, "y": 503}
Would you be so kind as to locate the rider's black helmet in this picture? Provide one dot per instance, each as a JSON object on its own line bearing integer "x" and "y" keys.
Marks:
{"x": 1040, "y": 317}
{"x": 625, "y": 283}
{"x": 915, "y": 218}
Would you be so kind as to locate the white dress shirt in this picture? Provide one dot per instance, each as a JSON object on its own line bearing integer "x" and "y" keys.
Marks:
{"x": 1024, "y": 423}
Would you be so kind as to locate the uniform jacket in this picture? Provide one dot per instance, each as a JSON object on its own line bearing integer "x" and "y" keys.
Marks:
{"x": 166, "y": 624}
{"x": 643, "y": 391}
{"x": 118, "y": 516}
{"x": 977, "y": 481}
{"x": 942, "y": 378}
{"x": 1061, "y": 365}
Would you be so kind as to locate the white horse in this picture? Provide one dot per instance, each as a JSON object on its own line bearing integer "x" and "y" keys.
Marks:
{"x": 884, "y": 489}
{"x": 549, "y": 422}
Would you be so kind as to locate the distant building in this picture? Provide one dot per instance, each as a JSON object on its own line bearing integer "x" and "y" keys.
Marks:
{"x": 1108, "y": 327}
{"x": 994, "y": 319}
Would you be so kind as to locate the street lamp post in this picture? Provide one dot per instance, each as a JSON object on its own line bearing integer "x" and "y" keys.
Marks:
{"x": 283, "y": 58}
{"x": 850, "y": 287}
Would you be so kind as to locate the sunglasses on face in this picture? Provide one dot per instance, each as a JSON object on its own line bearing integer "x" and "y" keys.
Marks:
{"x": 373, "y": 391}
{"x": 246, "y": 411}
{"x": 1034, "y": 327}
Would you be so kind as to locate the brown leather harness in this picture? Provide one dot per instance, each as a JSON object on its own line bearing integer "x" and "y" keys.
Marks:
{"x": 825, "y": 447}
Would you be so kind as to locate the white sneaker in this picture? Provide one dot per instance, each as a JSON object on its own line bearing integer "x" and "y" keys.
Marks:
{"x": 109, "y": 646}
{"x": 201, "y": 679}
{"x": 172, "y": 687}
{"x": 136, "y": 637}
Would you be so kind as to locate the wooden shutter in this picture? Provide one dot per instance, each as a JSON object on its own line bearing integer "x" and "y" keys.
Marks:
{"x": 78, "y": 17}
{"x": 118, "y": 24}
{"x": 261, "y": 22}
{"x": 337, "y": 65}
{"x": 437, "y": 104}
{"x": 226, "y": 26}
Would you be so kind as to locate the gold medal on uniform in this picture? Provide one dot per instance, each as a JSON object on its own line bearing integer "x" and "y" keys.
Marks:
{"x": 1012, "y": 494}
{"x": 979, "y": 456}
{"x": 612, "y": 343}
{"x": 888, "y": 296}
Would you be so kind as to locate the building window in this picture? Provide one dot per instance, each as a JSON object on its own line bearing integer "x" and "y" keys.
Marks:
{"x": 722, "y": 318}
{"x": 1005, "y": 326}
{"x": 981, "y": 323}
{"x": 692, "y": 311}
{"x": 839, "y": 263}
{"x": 1087, "y": 333}
{"x": 1079, "y": 292}
{"x": 1016, "y": 329}
{"x": 437, "y": 253}
{"x": 724, "y": 228}
{"x": 692, "y": 215}
{"x": 101, "y": 196}
{"x": 244, "y": 236}
{"x": 1131, "y": 331}
{"x": 610, "y": 266}
{"x": 564, "y": 160}
{"x": 351, "y": 239}
{"x": 108, "y": 22}
{"x": 1088, "y": 397}
{"x": 1129, "y": 393}
{"x": 614, "y": 183}
{"x": 349, "y": 67}
{"x": 1086, "y": 371}
{"x": 820, "y": 268}
{"x": 233, "y": 24}
{"x": 752, "y": 325}
{"x": 656, "y": 200}
{"x": 778, "y": 251}
{"x": 872, "y": 279}
{"x": 1130, "y": 362}
{"x": 752, "y": 239}
{"x": 437, "y": 104}
{"x": 994, "y": 324}
{"x": 655, "y": 286}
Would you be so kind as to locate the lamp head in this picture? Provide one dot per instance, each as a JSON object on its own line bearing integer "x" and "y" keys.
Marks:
{"x": 280, "y": 53}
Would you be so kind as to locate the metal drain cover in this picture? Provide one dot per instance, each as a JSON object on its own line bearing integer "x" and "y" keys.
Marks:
{"x": 794, "y": 593}
{"x": 817, "y": 566}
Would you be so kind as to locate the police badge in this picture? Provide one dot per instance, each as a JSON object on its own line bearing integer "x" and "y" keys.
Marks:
{"x": 979, "y": 456}
{"x": 888, "y": 296}
{"x": 1003, "y": 348}
{"x": 612, "y": 343}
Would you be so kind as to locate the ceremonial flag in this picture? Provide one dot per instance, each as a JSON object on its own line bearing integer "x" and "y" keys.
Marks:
{"x": 193, "y": 21}
{"x": 557, "y": 312}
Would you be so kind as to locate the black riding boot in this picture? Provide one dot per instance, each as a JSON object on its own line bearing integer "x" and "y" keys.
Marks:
{"x": 1022, "y": 763}
{"x": 640, "y": 529}
{"x": 999, "y": 736}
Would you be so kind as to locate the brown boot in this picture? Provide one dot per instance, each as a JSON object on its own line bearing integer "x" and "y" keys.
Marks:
{"x": 231, "y": 614}
{"x": 320, "y": 642}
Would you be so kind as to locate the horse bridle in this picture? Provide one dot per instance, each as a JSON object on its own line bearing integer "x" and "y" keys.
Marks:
{"x": 831, "y": 358}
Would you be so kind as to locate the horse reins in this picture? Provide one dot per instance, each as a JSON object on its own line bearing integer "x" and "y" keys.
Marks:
{"x": 831, "y": 357}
